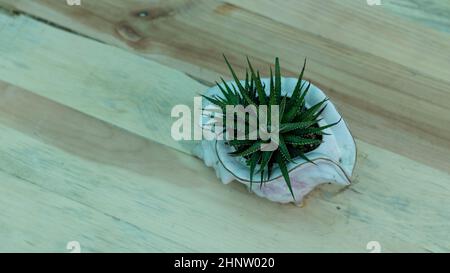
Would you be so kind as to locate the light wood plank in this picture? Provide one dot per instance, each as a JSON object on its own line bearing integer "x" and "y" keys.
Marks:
{"x": 435, "y": 14}
{"x": 33, "y": 219}
{"x": 106, "y": 82}
{"x": 366, "y": 28}
{"x": 353, "y": 23}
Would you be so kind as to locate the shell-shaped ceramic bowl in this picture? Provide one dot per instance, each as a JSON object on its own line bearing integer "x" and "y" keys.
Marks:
{"x": 334, "y": 159}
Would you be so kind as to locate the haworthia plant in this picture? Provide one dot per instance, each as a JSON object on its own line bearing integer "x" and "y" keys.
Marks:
{"x": 299, "y": 131}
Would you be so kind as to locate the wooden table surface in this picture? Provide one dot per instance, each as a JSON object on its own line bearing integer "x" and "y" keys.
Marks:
{"x": 85, "y": 148}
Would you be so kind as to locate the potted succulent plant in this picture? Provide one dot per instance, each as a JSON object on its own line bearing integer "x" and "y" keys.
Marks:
{"x": 313, "y": 144}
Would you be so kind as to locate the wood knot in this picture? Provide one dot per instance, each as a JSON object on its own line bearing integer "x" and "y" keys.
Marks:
{"x": 225, "y": 9}
{"x": 127, "y": 33}
{"x": 154, "y": 13}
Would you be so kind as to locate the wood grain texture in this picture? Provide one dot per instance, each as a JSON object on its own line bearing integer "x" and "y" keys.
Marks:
{"x": 68, "y": 176}
{"x": 369, "y": 62}
{"x": 126, "y": 90}
{"x": 82, "y": 123}
{"x": 435, "y": 14}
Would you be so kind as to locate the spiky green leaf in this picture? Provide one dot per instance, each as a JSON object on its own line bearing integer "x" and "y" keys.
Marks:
{"x": 296, "y": 140}
{"x": 298, "y": 87}
{"x": 266, "y": 156}
{"x": 258, "y": 84}
{"x": 287, "y": 127}
{"x": 284, "y": 171}
{"x": 283, "y": 149}
{"x": 253, "y": 162}
{"x": 250, "y": 150}
{"x": 273, "y": 92}
{"x": 297, "y": 106}
{"x": 317, "y": 130}
{"x": 277, "y": 78}
{"x": 244, "y": 92}
{"x": 310, "y": 112}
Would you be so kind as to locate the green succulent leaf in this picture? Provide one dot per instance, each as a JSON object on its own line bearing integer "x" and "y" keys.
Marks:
{"x": 236, "y": 142}
{"x": 273, "y": 93}
{"x": 318, "y": 130}
{"x": 303, "y": 95}
{"x": 282, "y": 107}
{"x": 228, "y": 94}
{"x": 298, "y": 87}
{"x": 262, "y": 179}
{"x": 247, "y": 83}
{"x": 296, "y": 140}
{"x": 277, "y": 79}
{"x": 269, "y": 171}
{"x": 215, "y": 101}
{"x": 309, "y": 113}
{"x": 297, "y": 106}
{"x": 266, "y": 156}
{"x": 266, "y": 163}
{"x": 253, "y": 162}
{"x": 287, "y": 127}
{"x": 250, "y": 150}
{"x": 303, "y": 156}
{"x": 284, "y": 150}
{"x": 244, "y": 92}
{"x": 258, "y": 84}
{"x": 283, "y": 167}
